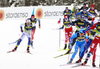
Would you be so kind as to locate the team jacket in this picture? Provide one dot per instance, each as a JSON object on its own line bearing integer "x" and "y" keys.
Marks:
{"x": 27, "y": 28}
{"x": 81, "y": 24}
{"x": 34, "y": 22}
{"x": 79, "y": 38}
{"x": 93, "y": 12}
{"x": 69, "y": 13}
{"x": 96, "y": 28}
{"x": 66, "y": 24}
{"x": 86, "y": 15}
{"x": 83, "y": 8}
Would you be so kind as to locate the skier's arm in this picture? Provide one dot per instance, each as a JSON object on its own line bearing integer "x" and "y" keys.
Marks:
{"x": 62, "y": 25}
{"x": 72, "y": 37}
{"x": 81, "y": 8}
{"x": 73, "y": 23}
{"x": 88, "y": 28}
{"x": 64, "y": 12}
{"x": 97, "y": 13}
{"x": 77, "y": 14}
{"x": 39, "y": 23}
{"x": 94, "y": 26}
{"x": 21, "y": 27}
{"x": 88, "y": 23}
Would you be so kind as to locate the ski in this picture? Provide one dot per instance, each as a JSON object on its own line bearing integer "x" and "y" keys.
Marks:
{"x": 62, "y": 55}
{"x": 29, "y": 53}
{"x": 25, "y": 52}
{"x": 79, "y": 65}
{"x": 13, "y": 42}
{"x": 9, "y": 51}
{"x": 63, "y": 49}
{"x": 67, "y": 64}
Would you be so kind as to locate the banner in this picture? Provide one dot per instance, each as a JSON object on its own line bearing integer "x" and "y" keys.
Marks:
{"x": 41, "y": 12}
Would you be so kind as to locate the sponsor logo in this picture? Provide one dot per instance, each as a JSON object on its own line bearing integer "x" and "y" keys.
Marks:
{"x": 53, "y": 13}
{"x": 39, "y": 13}
{"x": 16, "y": 15}
{"x": 2, "y": 14}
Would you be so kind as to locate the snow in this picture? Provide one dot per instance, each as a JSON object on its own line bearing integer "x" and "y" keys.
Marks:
{"x": 46, "y": 46}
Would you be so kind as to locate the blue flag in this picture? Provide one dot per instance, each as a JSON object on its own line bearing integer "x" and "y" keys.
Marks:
{"x": 33, "y": 12}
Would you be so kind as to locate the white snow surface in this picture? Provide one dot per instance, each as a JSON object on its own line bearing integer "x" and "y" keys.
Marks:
{"x": 46, "y": 46}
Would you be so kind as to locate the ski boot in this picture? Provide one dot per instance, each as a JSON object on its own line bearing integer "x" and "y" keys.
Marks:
{"x": 78, "y": 61}
{"x": 93, "y": 64}
{"x": 65, "y": 46}
{"x": 28, "y": 51}
{"x": 85, "y": 62}
{"x": 14, "y": 49}
{"x": 70, "y": 62}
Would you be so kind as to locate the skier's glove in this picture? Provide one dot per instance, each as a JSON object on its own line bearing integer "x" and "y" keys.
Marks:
{"x": 21, "y": 30}
{"x": 39, "y": 27}
{"x": 69, "y": 46}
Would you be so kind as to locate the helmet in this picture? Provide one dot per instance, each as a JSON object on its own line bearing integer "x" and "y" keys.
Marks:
{"x": 81, "y": 31}
{"x": 84, "y": 4}
{"x": 65, "y": 16}
{"x": 82, "y": 17}
{"x": 66, "y": 8}
{"x": 28, "y": 21}
{"x": 93, "y": 5}
{"x": 32, "y": 16}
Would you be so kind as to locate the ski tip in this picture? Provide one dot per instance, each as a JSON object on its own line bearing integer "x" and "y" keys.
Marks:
{"x": 9, "y": 51}
{"x": 29, "y": 53}
{"x": 63, "y": 49}
{"x": 63, "y": 65}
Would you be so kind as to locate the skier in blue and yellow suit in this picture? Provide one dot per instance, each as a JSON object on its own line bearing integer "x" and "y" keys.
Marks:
{"x": 80, "y": 42}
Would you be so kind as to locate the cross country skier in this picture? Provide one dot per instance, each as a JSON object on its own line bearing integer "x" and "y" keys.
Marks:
{"x": 93, "y": 47}
{"x": 68, "y": 12}
{"x": 93, "y": 13}
{"x": 26, "y": 32}
{"x": 88, "y": 43}
{"x": 80, "y": 24}
{"x": 85, "y": 13}
{"x": 83, "y": 7}
{"x": 34, "y": 21}
{"x": 67, "y": 23}
{"x": 79, "y": 43}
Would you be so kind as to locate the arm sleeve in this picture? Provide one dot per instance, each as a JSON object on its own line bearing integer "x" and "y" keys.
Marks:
{"x": 88, "y": 9}
{"x": 81, "y": 8}
{"x": 38, "y": 21}
{"x": 88, "y": 14}
{"x": 97, "y": 12}
{"x": 88, "y": 28}
{"x": 88, "y": 23}
{"x": 62, "y": 25}
{"x": 94, "y": 26}
{"x": 73, "y": 36}
{"x": 21, "y": 26}
{"x": 64, "y": 12}
{"x": 77, "y": 14}
{"x": 74, "y": 22}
